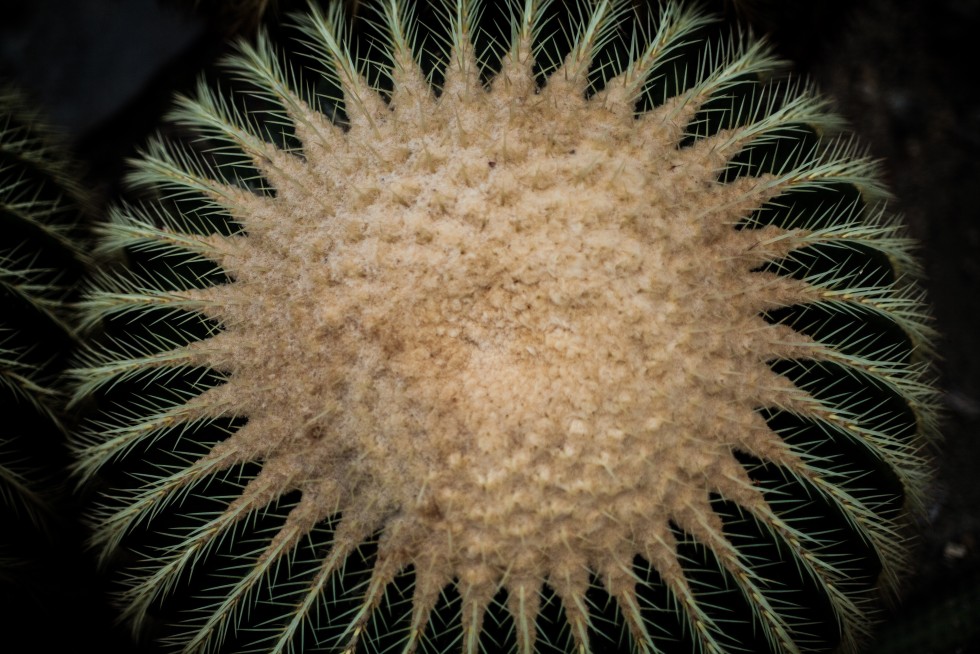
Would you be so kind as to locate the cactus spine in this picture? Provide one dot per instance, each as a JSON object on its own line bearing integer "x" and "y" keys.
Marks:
{"x": 588, "y": 335}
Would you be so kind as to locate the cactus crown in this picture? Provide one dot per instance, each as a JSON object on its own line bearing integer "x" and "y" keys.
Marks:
{"x": 555, "y": 318}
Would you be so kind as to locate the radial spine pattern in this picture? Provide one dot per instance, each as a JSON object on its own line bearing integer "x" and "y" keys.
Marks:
{"x": 492, "y": 353}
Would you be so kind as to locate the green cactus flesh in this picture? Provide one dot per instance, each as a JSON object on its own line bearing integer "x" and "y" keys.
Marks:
{"x": 492, "y": 327}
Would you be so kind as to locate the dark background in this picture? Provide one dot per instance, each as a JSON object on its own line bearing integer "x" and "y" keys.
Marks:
{"x": 902, "y": 72}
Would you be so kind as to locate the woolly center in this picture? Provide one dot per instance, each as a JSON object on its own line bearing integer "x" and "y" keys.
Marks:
{"x": 511, "y": 335}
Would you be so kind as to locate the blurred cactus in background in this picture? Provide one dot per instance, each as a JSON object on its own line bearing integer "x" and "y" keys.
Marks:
{"x": 233, "y": 16}
{"x": 42, "y": 568}
{"x": 41, "y": 206}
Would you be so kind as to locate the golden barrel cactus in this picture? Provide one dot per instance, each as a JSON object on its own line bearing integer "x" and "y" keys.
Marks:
{"x": 506, "y": 326}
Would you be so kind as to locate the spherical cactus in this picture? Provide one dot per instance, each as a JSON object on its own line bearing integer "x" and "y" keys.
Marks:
{"x": 506, "y": 327}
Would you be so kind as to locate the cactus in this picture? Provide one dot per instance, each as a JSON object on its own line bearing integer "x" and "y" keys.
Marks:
{"x": 506, "y": 327}
{"x": 40, "y": 208}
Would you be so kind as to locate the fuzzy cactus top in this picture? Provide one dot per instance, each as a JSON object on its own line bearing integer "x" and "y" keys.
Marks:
{"x": 517, "y": 332}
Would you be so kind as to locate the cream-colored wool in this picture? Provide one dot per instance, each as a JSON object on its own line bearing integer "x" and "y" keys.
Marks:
{"x": 514, "y": 330}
